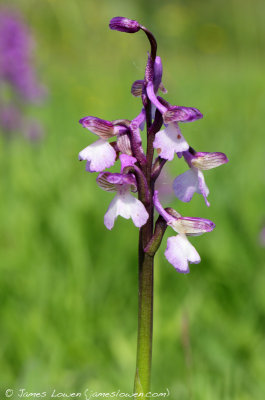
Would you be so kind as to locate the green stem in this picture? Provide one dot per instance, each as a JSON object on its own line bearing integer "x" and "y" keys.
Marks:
{"x": 146, "y": 277}
{"x": 145, "y": 320}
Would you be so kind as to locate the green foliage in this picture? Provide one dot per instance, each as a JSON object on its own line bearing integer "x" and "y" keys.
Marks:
{"x": 68, "y": 287}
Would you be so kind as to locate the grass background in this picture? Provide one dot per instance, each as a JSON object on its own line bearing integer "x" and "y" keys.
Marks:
{"x": 68, "y": 287}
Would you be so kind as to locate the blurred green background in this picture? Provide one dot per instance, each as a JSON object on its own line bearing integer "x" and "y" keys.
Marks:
{"x": 68, "y": 287}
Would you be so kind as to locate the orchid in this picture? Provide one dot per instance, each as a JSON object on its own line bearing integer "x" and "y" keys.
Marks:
{"x": 191, "y": 181}
{"x": 124, "y": 203}
{"x": 120, "y": 141}
{"x": 179, "y": 251}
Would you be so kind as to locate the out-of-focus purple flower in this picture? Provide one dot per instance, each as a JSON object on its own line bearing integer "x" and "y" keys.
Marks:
{"x": 17, "y": 75}
{"x": 11, "y": 119}
{"x": 16, "y": 68}
{"x": 33, "y": 130}
{"x": 179, "y": 251}
{"x": 124, "y": 203}
{"x": 191, "y": 181}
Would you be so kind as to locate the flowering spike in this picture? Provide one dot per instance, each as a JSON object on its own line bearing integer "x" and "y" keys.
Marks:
{"x": 139, "y": 173}
{"x": 124, "y": 25}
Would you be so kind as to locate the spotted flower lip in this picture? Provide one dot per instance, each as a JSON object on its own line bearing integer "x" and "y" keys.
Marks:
{"x": 123, "y": 24}
{"x": 170, "y": 141}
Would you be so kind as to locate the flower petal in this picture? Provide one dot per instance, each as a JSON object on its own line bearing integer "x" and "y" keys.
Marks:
{"x": 191, "y": 181}
{"x": 191, "y": 226}
{"x": 203, "y": 188}
{"x": 181, "y": 114}
{"x": 104, "y": 184}
{"x": 99, "y": 127}
{"x": 170, "y": 141}
{"x": 158, "y": 72}
{"x": 152, "y": 96}
{"x": 204, "y": 161}
{"x": 100, "y": 154}
{"x": 185, "y": 185}
{"x": 180, "y": 253}
{"x": 127, "y": 161}
{"x": 137, "y": 88}
{"x": 127, "y": 206}
{"x": 124, "y": 144}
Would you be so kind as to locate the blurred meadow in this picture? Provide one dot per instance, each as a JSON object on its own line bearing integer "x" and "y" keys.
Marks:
{"x": 68, "y": 287}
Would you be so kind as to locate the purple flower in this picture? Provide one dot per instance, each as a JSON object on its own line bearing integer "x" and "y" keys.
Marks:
{"x": 100, "y": 154}
{"x": 179, "y": 251}
{"x": 11, "y": 119}
{"x": 191, "y": 181}
{"x": 139, "y": 172}
{"x": 18, "y": 75}
{"x": 124, "y": 203}
{"x": 16, "y": 45}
